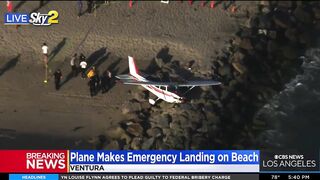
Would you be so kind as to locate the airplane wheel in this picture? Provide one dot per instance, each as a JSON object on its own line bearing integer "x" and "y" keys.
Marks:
{"x": 152, "y": 102}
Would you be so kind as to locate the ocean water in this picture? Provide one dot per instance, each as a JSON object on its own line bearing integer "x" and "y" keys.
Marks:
{"x": 292, "y": 117}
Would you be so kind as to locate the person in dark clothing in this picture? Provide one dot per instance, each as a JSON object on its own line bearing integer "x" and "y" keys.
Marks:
{"x": 82, "y": 57}
{"x": 227, "y": 4}
{"x": 92, "y": 85}
{"x": 41, "y": 3}
{"x": 96, "y": 79}
{"x": 79, "y": 4}
{"x": 105, "y": 81}
{"x": 57, "y": 78}
{"x": 90, "y": 6}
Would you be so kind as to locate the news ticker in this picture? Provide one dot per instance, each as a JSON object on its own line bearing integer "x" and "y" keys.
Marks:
{"x": 156, "y": 161}
{"x": 164, "y": 176}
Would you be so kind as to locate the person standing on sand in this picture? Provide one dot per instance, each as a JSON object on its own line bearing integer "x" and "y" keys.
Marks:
{"x": 92, "y": 86}
{"x": 9, "y": 6}
{"x": 57, "y": 78}
{"x": 73, "y": 65}
{"x": 9, "y": 10}
{"x": 83, "y": 66}
{"x": 90, "y": 6}
{"x": 227, "y": 4}
{"x": 105, "y": 81}
{"x": 45, "y": 53}
{"x": 91, "y": 72}
{"x": 79, "y": 5}
{"x": 96, "y": 79}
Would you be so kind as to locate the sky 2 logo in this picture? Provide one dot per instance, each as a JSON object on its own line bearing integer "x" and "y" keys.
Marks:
{"x": 44, "y": 19}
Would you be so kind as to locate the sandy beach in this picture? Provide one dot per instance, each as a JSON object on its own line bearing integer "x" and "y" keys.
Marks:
{"x": 254, "y": 52}
{"x": 35, "y": 115}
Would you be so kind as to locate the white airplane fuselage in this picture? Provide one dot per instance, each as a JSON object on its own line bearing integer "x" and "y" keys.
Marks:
{"x": 163, "y": 94}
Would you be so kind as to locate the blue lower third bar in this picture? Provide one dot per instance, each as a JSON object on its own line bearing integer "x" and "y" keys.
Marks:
{"x": 33, "y": 177}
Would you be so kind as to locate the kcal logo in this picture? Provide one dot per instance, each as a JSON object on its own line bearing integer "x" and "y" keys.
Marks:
{"x": 34, "y": 18}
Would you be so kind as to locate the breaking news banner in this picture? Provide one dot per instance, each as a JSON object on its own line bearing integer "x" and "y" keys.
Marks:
{"x": 34, "y": 161}
{"x": 157, "y": 164}
{"x": 81, "y": 161}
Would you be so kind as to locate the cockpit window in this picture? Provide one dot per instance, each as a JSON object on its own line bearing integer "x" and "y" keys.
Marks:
{"x": 172, "y": 88}
{"x": 163, "y": 87}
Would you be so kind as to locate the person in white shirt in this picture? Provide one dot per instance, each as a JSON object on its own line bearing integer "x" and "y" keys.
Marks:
{"x": 45, "y": 53}
{"x": 83, "y": 66}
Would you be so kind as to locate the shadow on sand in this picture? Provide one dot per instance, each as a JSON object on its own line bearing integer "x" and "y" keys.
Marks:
{"x": 16, "y": 8}
{"x": 57, "y": 49}
{"x": 9, "y": 65}
{"x": 96, "y": 56}
{"x": 42, "y": 3}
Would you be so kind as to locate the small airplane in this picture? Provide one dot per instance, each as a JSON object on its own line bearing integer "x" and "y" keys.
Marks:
{"x": 163, "y": 90}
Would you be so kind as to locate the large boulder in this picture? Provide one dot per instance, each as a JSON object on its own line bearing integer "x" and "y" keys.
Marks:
{"x": 225, "y": 71}
{"x": 285, "y": 4}
{"x": 134, "y": 129}
{"x": 265, "y": 22}
{"x": 148, "y": 143}
{"x": 136, "y": 143}
{"x": 265, "y": 3}
{"x": 239, "y": 67}
{"x": 303, "y": 15}
{"x": 140, "y": 95}
{"x": 161, "y": 120}
{"x": 316, "y": 12}
{"x": 113, "y": 145}
{"x": 306, "y": 38}
{"x": 118, "y": 133}
{"x": 272, "y": 46}
{"x": 290, "y": 52}
{"x": 282, "y": 19}
{"x": 292, "y": 34}
{"x": 176, "y": 142}
{"x": 198, "y": 141}
{"x": 130, "y": 107}
{"x": 154, "y": 132}
{"x": 238, "y": 56}
{"x": 246, "y": 44}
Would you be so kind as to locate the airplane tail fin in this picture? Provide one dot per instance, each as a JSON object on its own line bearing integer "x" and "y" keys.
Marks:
{"x": 132, "y": 67}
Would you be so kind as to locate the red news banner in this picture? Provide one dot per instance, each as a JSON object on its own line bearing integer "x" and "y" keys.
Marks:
{"x": 34, "y": 161}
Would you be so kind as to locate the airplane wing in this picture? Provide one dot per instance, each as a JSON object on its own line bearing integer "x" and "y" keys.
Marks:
{"x": 125, "y": 77}
{"x": 187, "y": 84}
{"x": 199, "y": 83}
{"x": 135, "y": 82}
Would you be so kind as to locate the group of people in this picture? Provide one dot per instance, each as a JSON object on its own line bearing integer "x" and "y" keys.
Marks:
{"x": 97, "y": 82}
{"x": 78, "y": 65}
{"x": 213, "y": 3}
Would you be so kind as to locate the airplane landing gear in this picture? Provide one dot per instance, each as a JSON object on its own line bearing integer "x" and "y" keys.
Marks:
{"x": 153, "y": 102}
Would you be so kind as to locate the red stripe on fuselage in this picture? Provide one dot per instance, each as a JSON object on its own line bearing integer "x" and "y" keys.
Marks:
{"x": 157, "y": 89}
{"x": 160, "y": 91}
